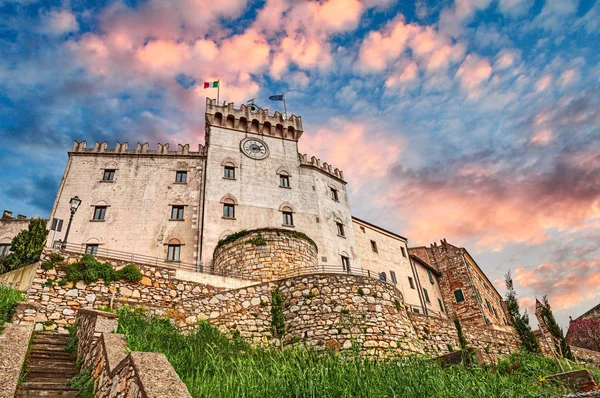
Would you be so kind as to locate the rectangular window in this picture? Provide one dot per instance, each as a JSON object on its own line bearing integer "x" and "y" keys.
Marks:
{"x": 403, "y": 252}
{"x": 441, "y": 305}
{"x": 340, "y": 229}
{"x": 91, "y": 249}
{"x": 459, "y": 296}
{"x": 287, "y": 218}
{"x": 416, "y": 310}
{"x": 181, "y": 177}
{"x": 486, "y": 319}
{"x": 334, "y": 194}
{"x": 228, "y": 210}
{"x": 426, "y": 295}
{"x": 284, "y": 181}
{"x": 489, "y": 306}
{"x": 495, "y": 313}
{"x": 411, "y": 283}
{"x": 229, "y": 172}
{"x": 393, "y": 276}
{"x": 177, "y": 213}
{"x": 374, "y": 246}
{"x": 478, "y": 295}
{"x": 345, "y": 263}
{"x": 173, "y": 252}
{"x": 99, "y": 212}
{"x": 362, "y": 229}
{"x": 109, "y": 175}
{"x": 430, "y": 275}
{"x": 4, "y": 248}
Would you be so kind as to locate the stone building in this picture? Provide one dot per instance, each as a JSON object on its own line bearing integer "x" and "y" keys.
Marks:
{"x": 467, "y": 292}
{"x": 9, "y": 228}
{"x": 387, "y": 255}
{"x": 178, "y": 206}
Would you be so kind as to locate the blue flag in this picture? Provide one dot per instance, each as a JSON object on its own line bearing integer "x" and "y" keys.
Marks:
{"x": 276, "y": 97}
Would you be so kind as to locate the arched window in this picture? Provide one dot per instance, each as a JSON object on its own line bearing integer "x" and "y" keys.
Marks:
{"x": 230, "y": 121}
{"x": 254, "y": 126}
{"x": 229, "y": 204}
{"x": 345, "y": 261}
{"x": 218, "y": 118}
{"x": 267, "y": 128}
{"x": 243, "y": 123}
{"x": 383, "y": 276}
{"x": 291, "y": 132}
{"x": 287, "y": 215}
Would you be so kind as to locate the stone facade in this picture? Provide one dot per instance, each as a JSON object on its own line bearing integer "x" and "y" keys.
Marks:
{"x": 467, "y": 293}
{"x": 138, "y": 198}
{"x": 385, "y": 252}
{"x": 9, "y": 228}
{"x": 255, "y": 188}
{"x": 266, "y": 255}
{"x": 439, "y": 337}
{"x": 117, "y": 372}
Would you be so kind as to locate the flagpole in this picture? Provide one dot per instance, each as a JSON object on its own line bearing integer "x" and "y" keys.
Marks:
{"x": 218, "y": 90}
{"x": 284, "y": 107}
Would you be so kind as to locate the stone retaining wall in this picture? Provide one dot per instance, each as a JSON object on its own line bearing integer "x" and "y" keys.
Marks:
{"x": 585, "y": 355}
{"x": 439, "y": 337}
{"x": 118, "y": 373}
{"x": 265, "y": 255}
{"x": 14, "y": 342}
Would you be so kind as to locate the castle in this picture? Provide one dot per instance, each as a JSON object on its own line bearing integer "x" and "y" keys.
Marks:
{"x": 174, "y": 207}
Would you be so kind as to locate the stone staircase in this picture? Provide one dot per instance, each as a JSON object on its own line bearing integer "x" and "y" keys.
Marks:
{"x": 49, "y": 369}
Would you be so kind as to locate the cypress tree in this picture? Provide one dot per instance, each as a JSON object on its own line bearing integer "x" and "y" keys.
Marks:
{"x": 520, "y": 322}
{"x": 556, "y": 330}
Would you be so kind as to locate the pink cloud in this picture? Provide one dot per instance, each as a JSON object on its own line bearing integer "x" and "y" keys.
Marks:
{"x": 543, "y": 83}
{"x": 542, "y": 137}
{"x": 353, "y": 148}
{"x": 59, "y": 22}
{"x": 380, "y": 48}
{"x": 473, "y": 72}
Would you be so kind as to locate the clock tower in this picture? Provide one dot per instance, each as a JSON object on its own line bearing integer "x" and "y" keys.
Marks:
{"x": 255, "y": 178}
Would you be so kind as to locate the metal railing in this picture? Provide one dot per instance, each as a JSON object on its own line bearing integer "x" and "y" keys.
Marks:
{"x": 111, "y": 254}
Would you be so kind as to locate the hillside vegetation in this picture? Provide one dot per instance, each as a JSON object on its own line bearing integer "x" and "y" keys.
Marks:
{"x": 8, "y": 299}
{"x": 213, "y": 365}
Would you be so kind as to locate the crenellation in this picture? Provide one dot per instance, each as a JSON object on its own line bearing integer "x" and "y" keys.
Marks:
{"x": 123, "y": 148}
{"x": 248, "y": 121}
{"x": 325, "y": 167}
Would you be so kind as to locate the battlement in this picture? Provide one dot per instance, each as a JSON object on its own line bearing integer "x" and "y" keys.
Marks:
{"x": 247, "y": 121}
{"x": 141, "y": 149}
{"x": 325, "y": 167}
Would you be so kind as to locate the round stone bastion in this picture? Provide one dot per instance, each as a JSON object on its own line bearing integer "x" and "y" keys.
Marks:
{"x": 265, "y": 254}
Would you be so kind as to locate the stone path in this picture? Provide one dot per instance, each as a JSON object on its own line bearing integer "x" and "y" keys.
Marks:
{"x": 49, "y": 369}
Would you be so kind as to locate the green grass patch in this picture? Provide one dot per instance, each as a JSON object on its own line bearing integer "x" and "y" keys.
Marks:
{"x": 8, "y": 300}
{"x": 213, "y": 365}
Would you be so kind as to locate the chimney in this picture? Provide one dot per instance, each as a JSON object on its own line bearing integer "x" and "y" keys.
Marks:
{"x": 7, "y": 214}
{"x": 21, "y": 217}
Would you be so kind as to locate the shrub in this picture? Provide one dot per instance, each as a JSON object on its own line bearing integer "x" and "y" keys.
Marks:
{"x": 398, "y": 305}
{"x": 56, "y": 257}
{"x": 27, "y": 246}
{"x": 233, "y": 237}
{"x": 47, "y": 265}
{"x": 258, "y": 240}
{"x": 90, "y": 270}
{"x": 129, "y": 273}
{"x": 8, "y": 300}
{"x": 361, "y": 291}
{"x": 277, "y": 317}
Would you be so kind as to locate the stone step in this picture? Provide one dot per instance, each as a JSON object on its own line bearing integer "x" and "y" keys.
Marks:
{"x": 47, "y": 340}
{"x": 49, "y": 363}
{"x": 48, "y": 347}
{"x": 39, "y": 371}
{"x": 68, "y": 393}
{"x": 50, "y": 354}
{"x": 46, "y": 384}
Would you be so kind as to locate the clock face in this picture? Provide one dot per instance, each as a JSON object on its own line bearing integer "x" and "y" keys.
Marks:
{"x": 254, "y": 148}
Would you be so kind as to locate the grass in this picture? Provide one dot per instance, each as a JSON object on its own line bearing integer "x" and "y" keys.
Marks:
{"x": 212, "y": 365}
{"x": 8, "y": 299}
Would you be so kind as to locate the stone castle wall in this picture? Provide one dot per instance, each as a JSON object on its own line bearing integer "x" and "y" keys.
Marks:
{"x": 439, "y": 337}
{"x": 338, "y": 311}
{"x": 265, "y": 255}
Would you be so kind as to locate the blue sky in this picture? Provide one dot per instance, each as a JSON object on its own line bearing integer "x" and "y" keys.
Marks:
{"x": 477, "y": 120}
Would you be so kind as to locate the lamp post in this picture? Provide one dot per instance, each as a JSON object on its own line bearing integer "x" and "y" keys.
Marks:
{"x": 73, "y": 205}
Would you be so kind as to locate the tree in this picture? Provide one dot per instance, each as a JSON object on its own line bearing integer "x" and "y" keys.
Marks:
{"x": 27, "y": 246}
{"x": 520, "y": 322}
{"x": 585, "y": 333}
{"x": 555, "y": 330}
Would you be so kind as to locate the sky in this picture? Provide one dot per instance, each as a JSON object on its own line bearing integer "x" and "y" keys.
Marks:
{"x": 477, "y": 121}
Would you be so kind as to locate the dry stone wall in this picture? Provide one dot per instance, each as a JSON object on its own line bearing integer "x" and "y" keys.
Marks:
{"x": 117, "y": 373}
{"x": 439, "y": 337}
{"x": 337, "y": 311}
{"x": 265, "y": 255}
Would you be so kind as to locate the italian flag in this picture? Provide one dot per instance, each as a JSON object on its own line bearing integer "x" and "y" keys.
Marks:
{"x": 211, "y": 84}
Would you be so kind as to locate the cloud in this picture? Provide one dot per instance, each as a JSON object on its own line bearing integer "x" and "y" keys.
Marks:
{"x": 515, "y": 8}
{"x": 473, "y": 72}
{"x": 59, "y": 22}
{"x": 359, "y": 152}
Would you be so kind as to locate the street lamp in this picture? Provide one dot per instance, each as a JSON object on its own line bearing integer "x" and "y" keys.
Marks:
{"x": 73, "y": 205}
